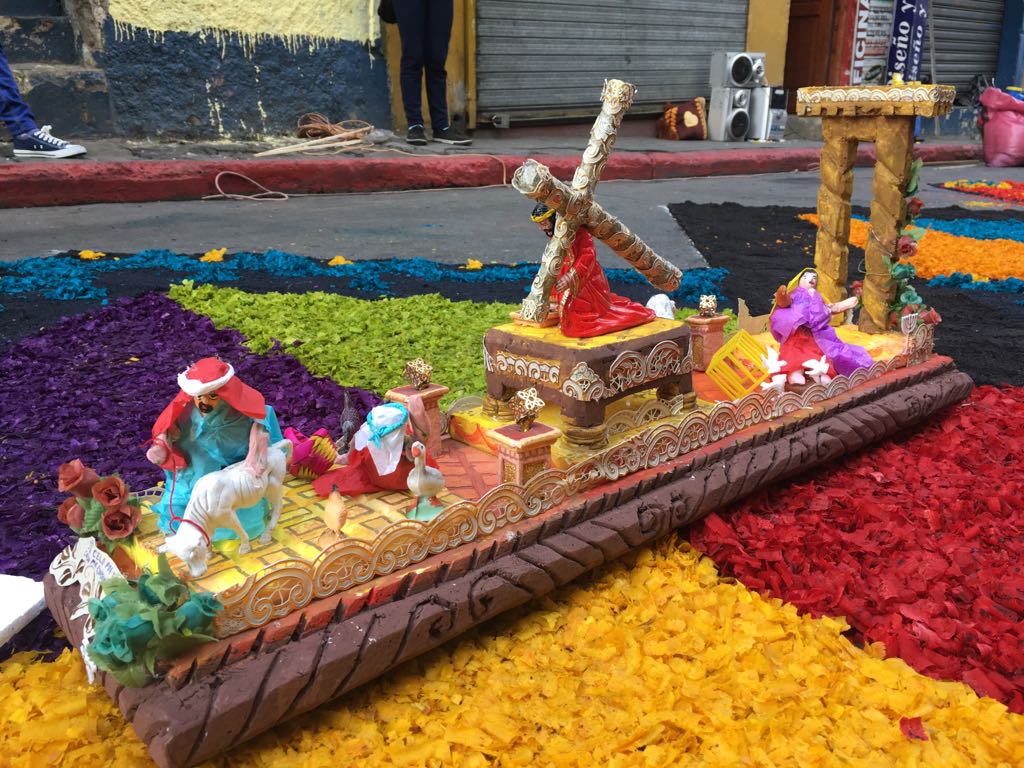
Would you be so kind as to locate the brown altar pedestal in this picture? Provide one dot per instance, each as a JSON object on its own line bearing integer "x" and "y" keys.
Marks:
{"x": 431, "y": 396}
{"x": 522, "y": 455}
{"x": 583, "y": 376}
{"x": 707, "y": 335}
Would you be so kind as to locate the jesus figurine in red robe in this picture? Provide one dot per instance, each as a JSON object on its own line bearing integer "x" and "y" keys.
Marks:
{"x": 587, "y": 306}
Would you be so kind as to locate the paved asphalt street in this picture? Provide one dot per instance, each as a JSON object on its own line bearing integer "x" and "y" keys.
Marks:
{"x": 490, "y": 224}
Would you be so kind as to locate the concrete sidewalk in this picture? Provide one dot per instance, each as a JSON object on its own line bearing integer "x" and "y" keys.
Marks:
{"x": 125, "y": 170}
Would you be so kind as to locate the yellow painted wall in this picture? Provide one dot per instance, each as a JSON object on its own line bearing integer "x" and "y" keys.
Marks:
{"x": 460, "y": 67}
{"x": 300, "y": 22}
{"x": 767, "y": 31}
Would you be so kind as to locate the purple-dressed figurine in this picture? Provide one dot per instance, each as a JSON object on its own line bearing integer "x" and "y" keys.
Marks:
{"x": 800, "y": 322}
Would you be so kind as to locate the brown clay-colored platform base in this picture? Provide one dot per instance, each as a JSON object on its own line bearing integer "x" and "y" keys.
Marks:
{"x": 238, "y": 688}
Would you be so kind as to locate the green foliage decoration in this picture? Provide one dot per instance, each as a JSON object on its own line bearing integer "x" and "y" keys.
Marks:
{"x": 140, "y": 622}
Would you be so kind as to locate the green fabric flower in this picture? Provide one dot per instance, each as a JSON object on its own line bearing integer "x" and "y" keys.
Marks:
{"x": 111, "y": 642}
{"x": 198, "y": 612}
{"x": 102, "y": 610}
{"x": 903, "y": 272}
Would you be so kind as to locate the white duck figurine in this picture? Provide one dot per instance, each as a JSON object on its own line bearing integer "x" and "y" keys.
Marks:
{"x": 424, "y": 483}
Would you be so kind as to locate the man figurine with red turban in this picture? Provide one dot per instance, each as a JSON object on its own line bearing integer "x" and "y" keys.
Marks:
{"x": 205, "y": 428}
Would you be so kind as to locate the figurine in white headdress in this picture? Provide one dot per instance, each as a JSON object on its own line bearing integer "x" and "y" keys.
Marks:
{"x": 381, "y": 457}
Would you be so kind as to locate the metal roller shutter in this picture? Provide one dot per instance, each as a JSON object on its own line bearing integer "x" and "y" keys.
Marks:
{"x": 967, "y": 34}
{"x": 548, "y": 59}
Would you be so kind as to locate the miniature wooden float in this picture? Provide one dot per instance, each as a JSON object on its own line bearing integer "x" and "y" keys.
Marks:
{"x": 608, "y": 466}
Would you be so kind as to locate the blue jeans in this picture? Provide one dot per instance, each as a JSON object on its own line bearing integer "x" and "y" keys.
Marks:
{"x": 14, "y": 112}
{"x": 425, "y": 27}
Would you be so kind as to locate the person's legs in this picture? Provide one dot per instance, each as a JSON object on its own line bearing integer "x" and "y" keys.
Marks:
{"x": 438, "y": 34}
{"x": 412, "y": 19}
{"x": 14, "y": 112}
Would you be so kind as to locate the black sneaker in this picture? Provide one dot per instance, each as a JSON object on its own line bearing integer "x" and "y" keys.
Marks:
{"x": 39, "y": 143}
{"x": 452, "y": 135}
{"x": 416, "y": 136}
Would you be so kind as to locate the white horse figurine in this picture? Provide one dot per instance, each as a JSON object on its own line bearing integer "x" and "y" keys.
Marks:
{"x": 217, "y": 495}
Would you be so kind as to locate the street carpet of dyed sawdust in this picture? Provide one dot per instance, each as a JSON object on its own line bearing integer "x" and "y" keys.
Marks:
{"x": 657, "y": 661}
{"x": 918, "y": 543}
{"x": 1007, "y": 191}
{"x": 940, "y": 253}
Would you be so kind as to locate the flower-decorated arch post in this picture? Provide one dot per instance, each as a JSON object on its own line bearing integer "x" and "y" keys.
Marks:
{"x": 884, "y": 115}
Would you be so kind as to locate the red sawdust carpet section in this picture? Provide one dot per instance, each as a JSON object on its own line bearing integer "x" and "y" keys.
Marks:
{"x": 919, "y": 543}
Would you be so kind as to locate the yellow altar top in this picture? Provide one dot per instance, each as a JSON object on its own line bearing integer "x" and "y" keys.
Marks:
{"x": 552, "y": 335}
{"x": 911, "y": 99}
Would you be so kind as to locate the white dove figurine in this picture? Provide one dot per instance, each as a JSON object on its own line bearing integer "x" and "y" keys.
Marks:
{"x": 818, "y": 370}
{"x": 774, "y": 366}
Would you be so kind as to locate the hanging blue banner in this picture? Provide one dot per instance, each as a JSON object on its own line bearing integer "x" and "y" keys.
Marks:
{"x": 906, "y": 47}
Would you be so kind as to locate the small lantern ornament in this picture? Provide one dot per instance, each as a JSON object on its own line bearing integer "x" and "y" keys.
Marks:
{"x": 417, "y": 372}
{"x": 708, "y": 306}
{"x": 525, "y": 406}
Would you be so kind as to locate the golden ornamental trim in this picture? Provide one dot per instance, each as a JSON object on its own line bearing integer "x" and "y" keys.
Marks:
{"x": 900, "y": 94}
{"x": 290, "y": 585}
{"x": 539, "y": 370}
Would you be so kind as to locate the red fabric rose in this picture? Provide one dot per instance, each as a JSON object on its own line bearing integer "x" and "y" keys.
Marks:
{"x": 931, "y": 316}
{"x": 111, "y": 492}
{"x": 857, "y": 288}
{"x": 74, "y": 477}
{"x": 71, "y": 513}
{"x": 120, "y": 522}
{"x": 906, "y": 247}
{"x": 914, "y": 206}
{"x": 909, "y": 309}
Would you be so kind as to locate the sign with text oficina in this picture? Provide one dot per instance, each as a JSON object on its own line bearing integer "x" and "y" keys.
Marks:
{"x": 872, "y": 26}
{"x": 906, "y": 48}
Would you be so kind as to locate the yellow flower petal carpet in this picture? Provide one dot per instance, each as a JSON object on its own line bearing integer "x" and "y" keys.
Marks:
{"x": 655, "y": 661}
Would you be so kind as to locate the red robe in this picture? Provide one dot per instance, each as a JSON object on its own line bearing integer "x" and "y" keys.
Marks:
{"x": 360, "y": 475}
{"x": 595, "y": 310}
{"x": 799, "y": 348}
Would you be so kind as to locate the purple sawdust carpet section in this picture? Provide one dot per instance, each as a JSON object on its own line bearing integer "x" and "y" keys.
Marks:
{"x": 91, "y": 386}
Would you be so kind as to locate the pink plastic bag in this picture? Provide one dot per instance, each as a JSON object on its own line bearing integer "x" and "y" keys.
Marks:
{"x": 1003, "y": 131}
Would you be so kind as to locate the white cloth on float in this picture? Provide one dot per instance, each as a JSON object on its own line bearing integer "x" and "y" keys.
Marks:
{"x": 383, "y": 434}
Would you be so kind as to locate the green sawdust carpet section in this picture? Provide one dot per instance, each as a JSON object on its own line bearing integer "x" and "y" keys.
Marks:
{"x": 363, "y": 343}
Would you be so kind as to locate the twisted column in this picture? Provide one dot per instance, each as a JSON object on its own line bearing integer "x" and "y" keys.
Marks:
{"x": 831, "y": 250}
{"x": 894, "y": 139}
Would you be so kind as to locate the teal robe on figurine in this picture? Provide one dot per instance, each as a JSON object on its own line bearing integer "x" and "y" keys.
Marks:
{"x": 210, "y": 443}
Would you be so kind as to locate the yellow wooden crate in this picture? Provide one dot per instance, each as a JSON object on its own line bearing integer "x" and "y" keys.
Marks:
{"x": 736, "y": 367}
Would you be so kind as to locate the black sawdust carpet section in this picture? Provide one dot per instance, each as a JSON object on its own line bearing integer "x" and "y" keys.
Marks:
{"x": 764, "y": 247}
{"x": 26, "y": 313}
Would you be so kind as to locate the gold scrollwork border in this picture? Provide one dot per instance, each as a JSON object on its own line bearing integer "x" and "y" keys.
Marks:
{"x": 290, "y": 585}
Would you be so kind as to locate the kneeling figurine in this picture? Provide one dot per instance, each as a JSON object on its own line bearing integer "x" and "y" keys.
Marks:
{"x": 808, "y": 344}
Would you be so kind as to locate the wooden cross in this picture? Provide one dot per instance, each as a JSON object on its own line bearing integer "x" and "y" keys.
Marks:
{"x": 576, "y": 208}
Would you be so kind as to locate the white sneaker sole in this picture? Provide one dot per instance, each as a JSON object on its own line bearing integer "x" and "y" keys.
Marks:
{"x": 56, "y": 154}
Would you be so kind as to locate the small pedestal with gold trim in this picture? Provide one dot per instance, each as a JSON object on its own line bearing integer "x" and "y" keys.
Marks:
{"x": 523, "y": 455}
{"x": 707, "y": 334}
{"x": 431, "y": 396}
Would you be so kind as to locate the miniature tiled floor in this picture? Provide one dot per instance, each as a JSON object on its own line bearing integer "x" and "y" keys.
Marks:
{"x": 301, "y": 533}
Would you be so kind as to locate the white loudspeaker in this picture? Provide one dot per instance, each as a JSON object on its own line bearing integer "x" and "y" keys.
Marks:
{"x": 729, "y": 114}
{"x": 760, "y": 113}
{"x": 731, "y": 69}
